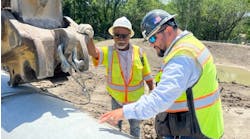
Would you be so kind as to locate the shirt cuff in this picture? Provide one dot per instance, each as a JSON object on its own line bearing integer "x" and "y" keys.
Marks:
{"x": 95, "y": 61}
{"x": 148, "y": 77}
{"x": 129, "y": 111}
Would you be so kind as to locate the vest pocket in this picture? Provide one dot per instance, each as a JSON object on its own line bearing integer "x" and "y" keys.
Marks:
{"x": 180, "y": 123}
{"x": 161, "y": 124}
{"x": 174, "y": 124}
{"x": 177, "y": 124}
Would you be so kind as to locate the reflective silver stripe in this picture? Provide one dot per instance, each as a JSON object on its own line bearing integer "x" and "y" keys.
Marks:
{"x": 110, "y": 56}
{"x": 116, "y": 87}
{"x": 100, "y": 57}
{"x": 178, "y": 106}
{"x": 141, "y": 52}
{"x": 197, "y": 50}
{"x": 207, "y": 100}
{"x": 133, "y": 88}
{"x": 122, "y": 88}
{"x": 148, "y": 77}
{"x": 199, "y": 103}
{"x": 205, "y": 54}
{"x": 187, "y": 45}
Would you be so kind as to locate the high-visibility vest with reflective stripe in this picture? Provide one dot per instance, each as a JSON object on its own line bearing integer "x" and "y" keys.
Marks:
{"x": 116, "y": 84}
{"x": 207, "y": 102}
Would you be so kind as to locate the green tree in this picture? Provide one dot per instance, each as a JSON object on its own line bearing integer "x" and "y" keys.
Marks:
{"x": 207, "y": 19}
{"x": 135, "y": 10}
{"x": 106, "y": 12}
{"x": 221, "y": 18}
{"x": 102, "y": 13}
{"x": 189, "y": 14}
{"x": 210, "y": 19}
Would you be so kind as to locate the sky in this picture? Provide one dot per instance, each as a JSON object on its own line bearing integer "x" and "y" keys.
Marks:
{"x": 164, "y": 1}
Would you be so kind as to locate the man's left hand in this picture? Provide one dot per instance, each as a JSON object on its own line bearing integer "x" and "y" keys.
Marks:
{"x": 86, "y": 29}
{"x": 112, "y": 117}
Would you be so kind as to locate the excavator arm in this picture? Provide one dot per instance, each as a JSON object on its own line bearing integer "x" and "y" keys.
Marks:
{"x": 39, "y": 43}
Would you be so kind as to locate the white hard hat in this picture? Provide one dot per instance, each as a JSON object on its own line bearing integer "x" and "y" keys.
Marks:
{"x": 122, "y": 22}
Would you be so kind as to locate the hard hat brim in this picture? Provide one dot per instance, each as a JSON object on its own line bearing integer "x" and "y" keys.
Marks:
{"x": 158, "y": 26}
{"x": 132, "y": 33}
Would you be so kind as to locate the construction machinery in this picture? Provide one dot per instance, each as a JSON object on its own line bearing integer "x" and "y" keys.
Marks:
{"x": 38, "y": 42}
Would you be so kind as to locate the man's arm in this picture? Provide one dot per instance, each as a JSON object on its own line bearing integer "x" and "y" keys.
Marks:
{"x": 180, "y": 73}
{"x": 92, "y": 49}
{"x": 87, "y": 30}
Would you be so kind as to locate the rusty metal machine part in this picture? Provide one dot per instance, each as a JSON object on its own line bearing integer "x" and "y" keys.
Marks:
{"x": 39, "y": 43}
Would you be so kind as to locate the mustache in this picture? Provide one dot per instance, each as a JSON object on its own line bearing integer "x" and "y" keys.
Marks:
{"x": 121, "y": 42}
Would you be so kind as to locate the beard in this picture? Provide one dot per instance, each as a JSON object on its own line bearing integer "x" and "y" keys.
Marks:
{"x": 121, "y": 45}
{"x": 161, "y": 52}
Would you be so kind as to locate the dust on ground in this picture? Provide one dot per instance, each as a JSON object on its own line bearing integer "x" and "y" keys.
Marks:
{"x": 235, "y": 97}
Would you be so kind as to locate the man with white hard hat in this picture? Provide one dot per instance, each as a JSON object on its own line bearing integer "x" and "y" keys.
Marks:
{"x": 126, "y": 67}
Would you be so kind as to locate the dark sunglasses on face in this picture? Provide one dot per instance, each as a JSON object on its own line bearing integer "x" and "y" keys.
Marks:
{"x": 153, "y": 38}
{"x": 121, "y": 36}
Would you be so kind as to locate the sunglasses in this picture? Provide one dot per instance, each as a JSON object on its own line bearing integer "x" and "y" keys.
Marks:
{"x": 121, "y": 36}
{"x": 153, "y": 38}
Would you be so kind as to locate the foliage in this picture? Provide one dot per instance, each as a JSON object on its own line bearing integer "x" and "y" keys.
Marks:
{"x": 207, "y": 19}
{"x": 222, "y": 17}
{"x": 102, "y": 13}
{"x": 212, "y": 19}
{"x": 135, "y": 10}
{"x": 187, "y": 10}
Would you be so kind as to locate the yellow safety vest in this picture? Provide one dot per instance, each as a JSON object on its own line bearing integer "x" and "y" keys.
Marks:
{"x": 206, "y": 91}
{"x": 116, "y": 85}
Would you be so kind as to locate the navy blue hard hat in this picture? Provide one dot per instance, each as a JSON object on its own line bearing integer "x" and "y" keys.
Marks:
{"x": 153, "y": 21}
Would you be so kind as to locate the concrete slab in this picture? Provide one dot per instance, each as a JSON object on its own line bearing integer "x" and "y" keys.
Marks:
{"x": 29, "y": 114}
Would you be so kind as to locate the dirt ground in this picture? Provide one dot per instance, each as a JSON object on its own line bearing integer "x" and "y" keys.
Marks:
{"x": 235, "y": 97}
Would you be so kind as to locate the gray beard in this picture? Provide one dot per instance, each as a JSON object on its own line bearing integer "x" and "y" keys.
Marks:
{"x": 121, "y": 46}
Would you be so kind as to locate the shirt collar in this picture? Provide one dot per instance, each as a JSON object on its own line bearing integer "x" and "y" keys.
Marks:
{"x": 181, "y": 35}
